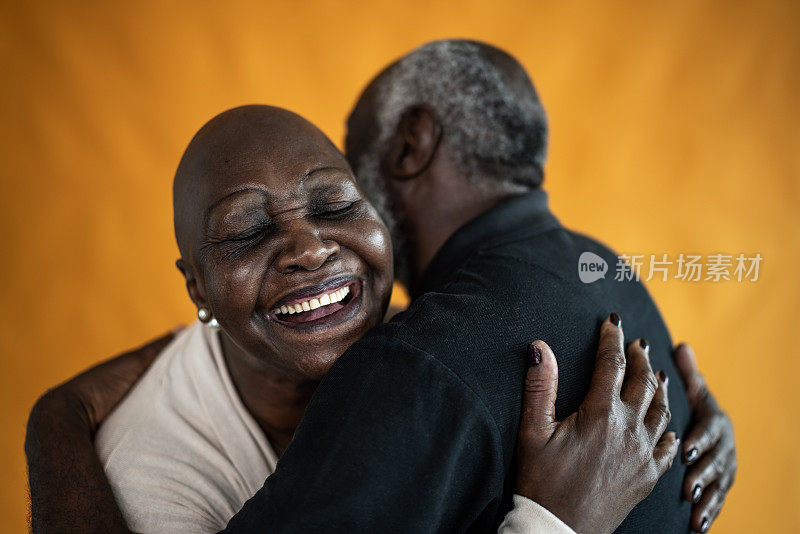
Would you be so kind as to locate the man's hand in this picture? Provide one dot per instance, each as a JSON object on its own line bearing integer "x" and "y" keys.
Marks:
{"x": 71, "y": 413}
{"x": 591, "y": 469}
{"x": 709, "y": 448}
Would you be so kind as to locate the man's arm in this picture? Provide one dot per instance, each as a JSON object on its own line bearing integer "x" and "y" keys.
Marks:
{"x": 392, "y": 441}
{"x": 69, "y": 490}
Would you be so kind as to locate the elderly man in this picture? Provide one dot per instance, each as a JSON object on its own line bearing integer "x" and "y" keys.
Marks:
{"x": 449, "y": 141}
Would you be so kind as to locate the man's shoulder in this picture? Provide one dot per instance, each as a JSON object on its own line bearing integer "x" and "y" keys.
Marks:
{"x": 556, "y": 251}
{"x": 406, "y": 368}
{"x": 564, "y": 267}
{"x": 394, "y": 347}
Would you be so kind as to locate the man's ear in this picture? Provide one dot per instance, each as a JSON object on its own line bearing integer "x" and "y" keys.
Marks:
{"x": 414, "y": 143}
{"x": 197, "y": 296}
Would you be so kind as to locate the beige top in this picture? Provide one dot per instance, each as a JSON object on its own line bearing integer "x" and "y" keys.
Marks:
{"x": 181, "y": 451}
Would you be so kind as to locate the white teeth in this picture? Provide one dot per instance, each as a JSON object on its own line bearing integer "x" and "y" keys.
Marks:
{"x": 313, "y": 304}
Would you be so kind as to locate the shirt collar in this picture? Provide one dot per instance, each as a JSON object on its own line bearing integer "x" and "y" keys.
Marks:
{"x": 523, "y": 214}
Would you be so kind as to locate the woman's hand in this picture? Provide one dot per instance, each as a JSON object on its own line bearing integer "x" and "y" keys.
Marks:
{"x": 709, "y": 448}
{"x": 591, "y": 469}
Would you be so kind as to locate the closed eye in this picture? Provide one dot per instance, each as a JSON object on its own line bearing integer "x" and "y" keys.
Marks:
{"x": 248, "y": 234}
{"x": 332, "y": 210}
{"x": 243, "y": 236}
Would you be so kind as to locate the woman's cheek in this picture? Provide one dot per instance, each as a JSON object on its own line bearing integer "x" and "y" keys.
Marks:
{"x": 237, "y": 290}
{"x": 377, "y": 246}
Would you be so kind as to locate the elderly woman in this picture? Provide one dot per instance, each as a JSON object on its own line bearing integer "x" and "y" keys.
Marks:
{"x": 288, "y": 265}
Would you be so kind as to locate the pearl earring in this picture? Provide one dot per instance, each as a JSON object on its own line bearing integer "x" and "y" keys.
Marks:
{"x": 205, "y": 316}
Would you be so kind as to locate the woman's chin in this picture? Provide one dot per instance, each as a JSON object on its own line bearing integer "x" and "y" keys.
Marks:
{"x": 319, "y": 367}
{"x": 316, "y": 359}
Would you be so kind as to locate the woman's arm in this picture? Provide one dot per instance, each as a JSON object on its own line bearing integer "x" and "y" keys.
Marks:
{"x": 709, "y": 448}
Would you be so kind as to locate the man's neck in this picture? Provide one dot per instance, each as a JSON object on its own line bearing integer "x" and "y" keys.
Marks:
{"x": 443, "y": 216}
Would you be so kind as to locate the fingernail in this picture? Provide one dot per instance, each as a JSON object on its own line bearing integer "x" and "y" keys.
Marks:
{"x": 691, "y": 456}
{"x": 615, "y": 319}
{"x": 704, "y": 525}
{"x": 663, "y": 377}
{"x": 535, "y": 354}
{"x": 643, "y": 343}
{"x": 696, "y": 493}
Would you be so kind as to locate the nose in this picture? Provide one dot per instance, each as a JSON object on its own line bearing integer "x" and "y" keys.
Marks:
{"x": 304, "y": 249}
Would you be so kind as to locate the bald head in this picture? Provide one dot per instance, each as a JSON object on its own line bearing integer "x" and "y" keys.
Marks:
{"x": 493, "y": 123}
{"x": 237, "y": 149}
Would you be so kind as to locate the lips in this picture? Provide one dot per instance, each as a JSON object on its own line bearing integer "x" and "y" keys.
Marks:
{"x": 331, "y": 302}
{"x": 328, "y": 298}
{"x": 315, "y": 291}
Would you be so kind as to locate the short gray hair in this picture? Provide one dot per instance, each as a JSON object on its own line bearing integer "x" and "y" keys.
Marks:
{"x": 491, "y": 130}
{"x": 494, "y": 131}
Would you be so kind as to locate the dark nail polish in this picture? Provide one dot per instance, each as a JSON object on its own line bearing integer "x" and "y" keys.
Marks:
{"x": 615, "y": 319}
{"x": 704, "y": 525}
{"x": 643, "y": 343}
{"x": 696, "y": 493}
{"x": 691, "y": 456}
{"x": 663, "y": 377}
{"x": 535, "y": 354}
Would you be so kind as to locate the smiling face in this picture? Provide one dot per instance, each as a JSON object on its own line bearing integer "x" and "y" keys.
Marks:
{"x": 278, "y": 241}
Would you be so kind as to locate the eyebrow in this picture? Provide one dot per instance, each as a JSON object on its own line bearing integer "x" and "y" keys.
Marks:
{"x": 209, "y": 209}
{"x": 326, "y": 168}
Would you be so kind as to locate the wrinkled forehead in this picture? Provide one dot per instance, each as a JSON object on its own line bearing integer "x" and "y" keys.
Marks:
{"x": 275, "y": 160}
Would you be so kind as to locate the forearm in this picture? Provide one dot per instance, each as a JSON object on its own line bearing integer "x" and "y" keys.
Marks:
{"x": 68, "y": 488}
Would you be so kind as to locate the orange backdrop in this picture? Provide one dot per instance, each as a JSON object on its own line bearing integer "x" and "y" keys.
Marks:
{"x": 674, "y": 129}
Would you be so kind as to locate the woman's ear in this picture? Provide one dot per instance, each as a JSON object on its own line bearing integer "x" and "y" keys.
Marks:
{"x": 414, "y": 143}
{"x": 195, "y": 293}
